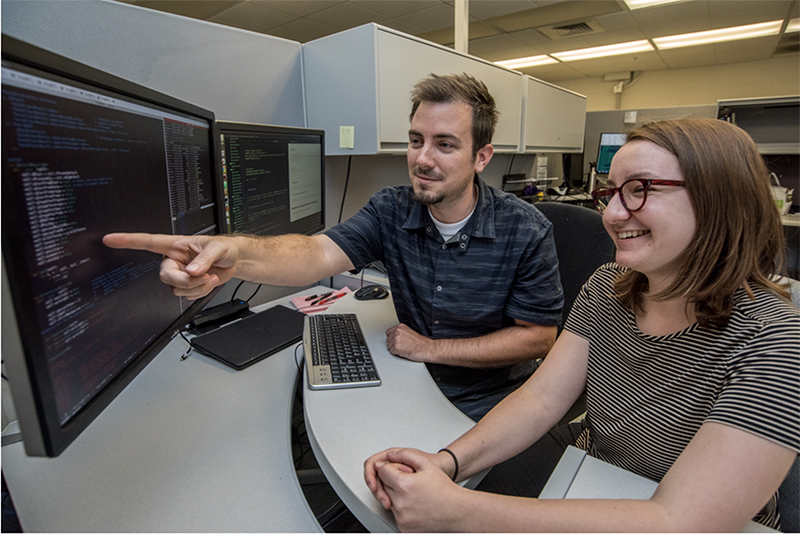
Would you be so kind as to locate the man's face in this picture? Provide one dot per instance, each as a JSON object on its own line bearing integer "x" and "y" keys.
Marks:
{"x": 440, "y": 162}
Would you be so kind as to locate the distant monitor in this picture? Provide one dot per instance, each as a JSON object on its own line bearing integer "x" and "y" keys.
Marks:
{"x": 85, "y": 154}
{"x": 273, "y": 178}
{"x": 609, "y": 144}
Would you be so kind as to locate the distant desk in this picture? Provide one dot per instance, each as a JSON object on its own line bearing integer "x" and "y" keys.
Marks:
{"x": 189, "y": 446}
{"x": 347, "y": 426}
{"x": 580, "y": 476}
{"x": 791, "y": 219}
{"x": 572, "y": 198}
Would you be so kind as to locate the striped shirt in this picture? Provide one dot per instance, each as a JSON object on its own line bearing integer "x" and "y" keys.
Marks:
{"x": 647, "y": 395}
{"x": 500, "y": 266}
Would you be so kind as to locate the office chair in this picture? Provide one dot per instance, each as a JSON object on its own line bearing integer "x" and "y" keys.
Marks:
{"x": 582, "y": 245}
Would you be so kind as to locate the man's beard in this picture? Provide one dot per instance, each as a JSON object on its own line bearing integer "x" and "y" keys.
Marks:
{"x": 427, "y": 198}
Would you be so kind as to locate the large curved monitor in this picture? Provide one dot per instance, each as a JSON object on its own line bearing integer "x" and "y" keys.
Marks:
{"x": 85, "y": 154}
{"x": 274, "y": 178}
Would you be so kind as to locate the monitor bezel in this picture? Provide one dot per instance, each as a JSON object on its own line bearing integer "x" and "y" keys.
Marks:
{"x": 28, "y": 376}
{"x": 251, "y": 127}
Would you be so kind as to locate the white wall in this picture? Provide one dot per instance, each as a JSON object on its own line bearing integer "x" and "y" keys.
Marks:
{"x": 694, "y": 86}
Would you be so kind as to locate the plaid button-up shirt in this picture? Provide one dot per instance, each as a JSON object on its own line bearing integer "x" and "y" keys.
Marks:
{"x": 501, "y": 266}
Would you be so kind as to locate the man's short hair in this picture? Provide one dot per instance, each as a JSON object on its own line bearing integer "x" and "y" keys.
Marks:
{"x": 460, "y": 88}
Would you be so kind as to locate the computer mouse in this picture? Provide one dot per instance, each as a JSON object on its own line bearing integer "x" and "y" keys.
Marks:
{"x": 372, "y": 293}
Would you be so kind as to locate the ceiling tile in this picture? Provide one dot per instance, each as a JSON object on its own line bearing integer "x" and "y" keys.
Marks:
{"x": 631, "y": 62}
{"x": 396, "y": 8}
{"x": 345, "y": 16}
{"x": 531, "y": 37}
{"x": 402, "y": 27}
{"x": 197, "y": 10}
{"x": 477, "y": 30}
{"x": 430, "y": 19}
{"x": 494, "y": 44}
{"x": 253, "y": 17}
{"x": 505, "y": 54}
{"x": 686, "y": 16}
{"x": 555, "y": 71}
{"x": 555, "y": 13}
{"x": 617, "y": 21}
{"x": 486, "y": 9}
{"x": 742, "y": 17}
{"x": 299, "y": 8}
{"x": 302, "y": 30}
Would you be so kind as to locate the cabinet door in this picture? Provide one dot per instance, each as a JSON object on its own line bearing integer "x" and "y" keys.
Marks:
{"x": 555, "y": 118}
{"x": 402, "y": 62}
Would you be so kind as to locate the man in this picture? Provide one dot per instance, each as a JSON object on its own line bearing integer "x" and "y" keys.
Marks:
{"x": 473, "y": 270}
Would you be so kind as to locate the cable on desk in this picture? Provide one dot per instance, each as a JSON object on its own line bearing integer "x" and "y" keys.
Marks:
{"x": 189, "y": 351}
{"x": 253, "y": 295}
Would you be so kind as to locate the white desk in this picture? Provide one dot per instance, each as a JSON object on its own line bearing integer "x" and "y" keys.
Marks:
{"x": 346, "y": 426}
{"x": 189, "y": 446}
{"x": 580, "y": 476}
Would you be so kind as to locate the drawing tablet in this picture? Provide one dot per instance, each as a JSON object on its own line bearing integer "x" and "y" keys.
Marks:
{"x": 253, "y": 338}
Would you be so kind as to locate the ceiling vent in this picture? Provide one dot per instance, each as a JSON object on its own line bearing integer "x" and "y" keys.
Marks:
{"x": 562, "y": 31}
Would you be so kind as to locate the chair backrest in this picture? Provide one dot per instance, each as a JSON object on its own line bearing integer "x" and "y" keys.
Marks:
{"x": 582, "y": 245}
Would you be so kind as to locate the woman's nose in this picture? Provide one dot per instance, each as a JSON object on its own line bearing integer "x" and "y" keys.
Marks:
{"x": 615, "y": 211}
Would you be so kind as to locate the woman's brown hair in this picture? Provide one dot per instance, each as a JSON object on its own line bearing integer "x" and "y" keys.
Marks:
{"x": 739, "y": 239}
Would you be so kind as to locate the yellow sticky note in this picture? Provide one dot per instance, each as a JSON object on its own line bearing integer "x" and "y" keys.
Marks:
{"x": 347, "y": 135}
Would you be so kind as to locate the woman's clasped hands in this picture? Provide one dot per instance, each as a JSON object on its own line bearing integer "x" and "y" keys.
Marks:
{"x": 415, "y": 486}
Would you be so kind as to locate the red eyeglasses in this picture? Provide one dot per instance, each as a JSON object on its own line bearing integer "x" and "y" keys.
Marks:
{"x": 632, "y": 193}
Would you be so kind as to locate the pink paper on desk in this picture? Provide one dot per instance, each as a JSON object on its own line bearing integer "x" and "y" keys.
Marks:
{"x": 306, "y": 306}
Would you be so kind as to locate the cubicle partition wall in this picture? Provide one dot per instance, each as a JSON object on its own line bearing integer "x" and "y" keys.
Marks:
{"x": 598, "y": 122}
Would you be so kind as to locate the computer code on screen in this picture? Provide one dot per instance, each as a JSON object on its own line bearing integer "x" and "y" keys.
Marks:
{"x": 273, "y": 182}
{"x": 82, "y": 163}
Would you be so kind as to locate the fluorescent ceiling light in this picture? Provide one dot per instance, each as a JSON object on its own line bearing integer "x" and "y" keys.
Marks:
{"x": 603, "y": 51}
{"x": 794, "y": 26}
{"x": 639, "y": 4}
{"x": 717, "y": 36}
{"x": 532, "y": 61}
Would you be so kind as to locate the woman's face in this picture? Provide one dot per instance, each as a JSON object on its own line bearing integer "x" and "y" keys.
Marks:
{"x": 652, "y": 239}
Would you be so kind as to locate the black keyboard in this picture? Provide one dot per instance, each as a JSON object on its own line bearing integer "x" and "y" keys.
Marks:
{"x": 336, "y": 354}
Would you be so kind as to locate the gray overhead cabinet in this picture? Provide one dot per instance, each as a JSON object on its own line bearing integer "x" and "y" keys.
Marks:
{"x": 358, "y": 84}
{"x": 555, "y": 118}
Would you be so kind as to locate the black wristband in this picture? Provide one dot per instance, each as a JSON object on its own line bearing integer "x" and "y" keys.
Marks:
{"x": 455, "y": 461}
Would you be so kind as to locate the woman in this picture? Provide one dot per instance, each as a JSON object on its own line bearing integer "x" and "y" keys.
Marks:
{"x": 689, "y": 353}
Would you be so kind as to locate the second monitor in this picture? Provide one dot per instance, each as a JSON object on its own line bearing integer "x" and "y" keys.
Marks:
{"x": 273, "y": 178}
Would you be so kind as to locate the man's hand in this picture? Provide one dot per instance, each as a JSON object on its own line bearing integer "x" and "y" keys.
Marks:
{"x": 192, "y": 266}
{"x": 402, "y": 341}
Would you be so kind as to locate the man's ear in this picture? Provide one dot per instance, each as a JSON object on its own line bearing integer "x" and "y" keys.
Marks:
{"x": 483, "y": 157}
